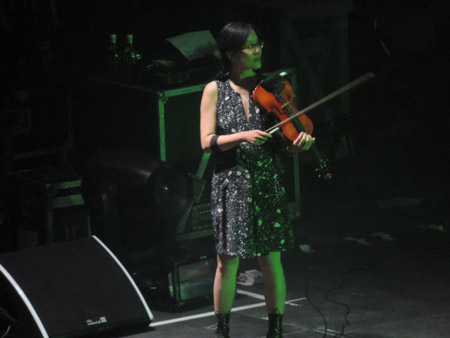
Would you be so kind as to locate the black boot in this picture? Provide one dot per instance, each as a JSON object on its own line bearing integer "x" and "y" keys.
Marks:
{"x": 275, "y": 323}
{"x": 223, "y": 326}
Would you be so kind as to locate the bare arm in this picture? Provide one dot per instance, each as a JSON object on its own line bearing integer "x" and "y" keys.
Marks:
{"x": 208, "y": 119}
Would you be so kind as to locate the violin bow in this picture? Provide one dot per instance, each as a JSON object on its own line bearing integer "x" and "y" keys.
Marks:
{"x": 337, "y": 92}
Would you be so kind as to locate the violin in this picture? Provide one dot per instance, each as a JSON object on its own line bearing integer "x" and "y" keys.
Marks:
{"x": 280, "y": 103}
{"x": 278, "y": 100}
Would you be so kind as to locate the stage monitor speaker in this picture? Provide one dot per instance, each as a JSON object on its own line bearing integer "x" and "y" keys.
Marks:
{"x": 70, "y": 289}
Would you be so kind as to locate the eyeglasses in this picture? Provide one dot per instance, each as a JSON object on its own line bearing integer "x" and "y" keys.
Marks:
{"x": 253, "y": 46}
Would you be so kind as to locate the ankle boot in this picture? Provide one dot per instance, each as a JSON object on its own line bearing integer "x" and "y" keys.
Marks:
{"x": 223, "y": 326}
{"x": 275, "y": 323}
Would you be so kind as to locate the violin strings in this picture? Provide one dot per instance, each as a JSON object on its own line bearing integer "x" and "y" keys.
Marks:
{"x": 293, "y": 114}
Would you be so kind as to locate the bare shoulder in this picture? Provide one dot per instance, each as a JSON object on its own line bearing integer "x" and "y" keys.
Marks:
{"x": 211, "y": 89}
{"x": 209, "y": 98}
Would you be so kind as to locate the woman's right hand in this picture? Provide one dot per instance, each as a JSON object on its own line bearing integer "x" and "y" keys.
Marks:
{"x": 256, "y": 137}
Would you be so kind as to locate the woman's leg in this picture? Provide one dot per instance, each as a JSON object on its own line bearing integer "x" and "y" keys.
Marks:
{"x": 274, "y": 292}
{"x": 274, "y": 282}
{"x": 225, "y": 283}
{"x": 224, "y": 292}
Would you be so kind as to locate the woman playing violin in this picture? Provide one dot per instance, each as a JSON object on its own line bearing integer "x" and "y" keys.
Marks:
{"x": 248, "y": 202}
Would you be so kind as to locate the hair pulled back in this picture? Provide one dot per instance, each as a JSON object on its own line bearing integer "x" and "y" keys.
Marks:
{"x": 231, "y": 39}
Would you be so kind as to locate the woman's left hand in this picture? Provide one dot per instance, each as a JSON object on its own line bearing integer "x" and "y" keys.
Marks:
{"x": 303, "y": 142}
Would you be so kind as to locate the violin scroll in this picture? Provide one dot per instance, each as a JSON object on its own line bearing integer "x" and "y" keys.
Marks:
{"x": 324, "y": 171}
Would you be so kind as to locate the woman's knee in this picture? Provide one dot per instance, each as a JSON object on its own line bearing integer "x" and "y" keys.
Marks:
{"x": 227, "y": 265}
{"x": 271, "y": 262}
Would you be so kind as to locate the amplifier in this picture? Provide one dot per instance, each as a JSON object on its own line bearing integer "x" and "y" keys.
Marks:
{"x": 47, "y": 206}
{"x": 177, "y": 284}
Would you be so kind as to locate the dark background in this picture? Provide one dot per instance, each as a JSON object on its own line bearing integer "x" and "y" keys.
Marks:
{"x": 398, "y": 123}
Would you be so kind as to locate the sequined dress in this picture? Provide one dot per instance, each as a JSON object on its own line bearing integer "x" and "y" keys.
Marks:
{"x": 248, "y": 201}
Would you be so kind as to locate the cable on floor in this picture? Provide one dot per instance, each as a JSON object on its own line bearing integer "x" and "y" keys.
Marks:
{"x": 346, "y": 322}
{"x": 325, "y": 325}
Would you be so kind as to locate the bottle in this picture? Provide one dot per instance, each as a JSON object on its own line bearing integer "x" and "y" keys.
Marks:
{"x": 129, "y": 55}
{"x": 113, "y": 57}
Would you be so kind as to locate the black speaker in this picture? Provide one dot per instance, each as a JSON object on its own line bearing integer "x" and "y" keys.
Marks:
{"x": 70, "y": 289}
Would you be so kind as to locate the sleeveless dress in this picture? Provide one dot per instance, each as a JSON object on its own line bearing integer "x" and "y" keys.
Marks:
{"x": 248, "y": 201}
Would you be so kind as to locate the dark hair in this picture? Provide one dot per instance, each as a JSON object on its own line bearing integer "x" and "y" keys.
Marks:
{"x": 231, "y": 39}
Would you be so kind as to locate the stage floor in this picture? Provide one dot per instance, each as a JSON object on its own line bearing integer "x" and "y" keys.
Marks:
{"x": 367, "y": 266}
{"x": 372, "y": 269}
